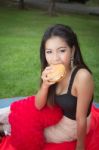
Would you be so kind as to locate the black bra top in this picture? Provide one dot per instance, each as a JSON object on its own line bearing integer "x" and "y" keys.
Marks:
{"x": 68, "y": 102}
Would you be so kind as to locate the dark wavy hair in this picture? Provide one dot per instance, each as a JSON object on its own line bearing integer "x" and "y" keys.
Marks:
{"x": 65, "y": 32}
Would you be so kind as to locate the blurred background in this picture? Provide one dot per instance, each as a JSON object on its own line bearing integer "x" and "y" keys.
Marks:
{"x": 22, "y": 24}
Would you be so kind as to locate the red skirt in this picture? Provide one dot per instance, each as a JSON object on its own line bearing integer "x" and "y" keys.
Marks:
{"x": 28, "y": 123}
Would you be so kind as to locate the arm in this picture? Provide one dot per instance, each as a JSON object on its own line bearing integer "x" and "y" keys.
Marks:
{"x": 84, "y": 89}
{"x": 41, "y": 97}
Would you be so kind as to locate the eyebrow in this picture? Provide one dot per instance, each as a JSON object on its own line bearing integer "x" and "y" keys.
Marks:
{"x": 56, "y": 49}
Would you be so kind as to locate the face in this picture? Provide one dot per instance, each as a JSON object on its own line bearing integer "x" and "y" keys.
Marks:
{"x": 57, "y": 51}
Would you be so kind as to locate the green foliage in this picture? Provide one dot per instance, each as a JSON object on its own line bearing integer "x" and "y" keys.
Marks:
{"x": 20, "y": 36}
{"x": 93, "y": 3}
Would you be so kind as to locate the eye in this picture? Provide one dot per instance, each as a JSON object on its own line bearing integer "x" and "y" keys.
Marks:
{"x": 48, "y": 51}
{"x": 62, "y": 50}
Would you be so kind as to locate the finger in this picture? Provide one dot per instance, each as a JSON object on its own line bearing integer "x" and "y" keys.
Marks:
{"x": 48, "y": 67}
{"x": 51, "y": 82}
{"x": 44, "y": 77}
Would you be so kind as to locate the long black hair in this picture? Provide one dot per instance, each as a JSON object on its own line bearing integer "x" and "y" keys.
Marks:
{"x": 65, "y": 32}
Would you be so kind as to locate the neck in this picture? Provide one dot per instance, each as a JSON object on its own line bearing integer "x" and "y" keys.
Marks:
{"x": 63, "y": 84}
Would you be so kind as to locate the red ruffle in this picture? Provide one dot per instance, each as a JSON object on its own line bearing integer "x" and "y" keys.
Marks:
{"x": 28, "y": 123}
{"x": 5, "y": 144}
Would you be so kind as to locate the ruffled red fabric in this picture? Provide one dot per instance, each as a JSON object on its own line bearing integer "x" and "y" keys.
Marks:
{"x": 28, "y": 123}
{"x": 5, "y": 144}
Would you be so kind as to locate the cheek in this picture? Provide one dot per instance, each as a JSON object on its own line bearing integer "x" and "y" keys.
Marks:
{"x": 66, "y": 58}
{"x": 48, "y": 58}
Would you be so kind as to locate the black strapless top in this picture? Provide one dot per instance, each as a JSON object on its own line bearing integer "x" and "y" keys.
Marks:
{"x": 68, "y": 102}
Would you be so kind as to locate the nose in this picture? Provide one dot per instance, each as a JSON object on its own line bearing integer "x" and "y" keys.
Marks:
{"x": 56, "y": 58}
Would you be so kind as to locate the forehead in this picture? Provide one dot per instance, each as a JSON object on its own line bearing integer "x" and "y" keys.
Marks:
{"x": 55, "y": 42}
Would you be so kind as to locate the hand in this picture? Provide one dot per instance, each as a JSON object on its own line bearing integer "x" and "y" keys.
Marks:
{"x": 45, "y": 78}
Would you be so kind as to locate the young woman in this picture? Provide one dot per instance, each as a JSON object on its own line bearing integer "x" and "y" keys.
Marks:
{"x": 74, "y": 94}
{"x": 61, "y": 115}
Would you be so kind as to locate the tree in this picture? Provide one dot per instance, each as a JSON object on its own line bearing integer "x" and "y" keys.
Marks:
{"x": 51, "y": 9}
{"x": 21, "y": 4}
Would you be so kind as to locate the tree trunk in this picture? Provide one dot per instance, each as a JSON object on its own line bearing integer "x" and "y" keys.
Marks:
{"x": 21, "y": 4}
{"x": 51, "y": 9}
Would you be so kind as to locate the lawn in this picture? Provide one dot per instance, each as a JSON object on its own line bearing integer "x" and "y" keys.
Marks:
{"x": 20, "y": 36}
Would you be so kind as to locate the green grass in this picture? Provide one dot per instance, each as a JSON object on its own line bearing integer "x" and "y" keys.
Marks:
{"x": 20, "y": 36}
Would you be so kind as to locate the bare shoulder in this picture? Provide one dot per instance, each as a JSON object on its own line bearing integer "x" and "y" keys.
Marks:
{"x": 84, "y": 77}
{"x": 84, "y": 87}
{"x": 84, "y": 74}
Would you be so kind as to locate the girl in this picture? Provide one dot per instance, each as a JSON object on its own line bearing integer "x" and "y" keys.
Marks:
{"x": 74, "y": 94}
{"x": 61, "y": 115}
